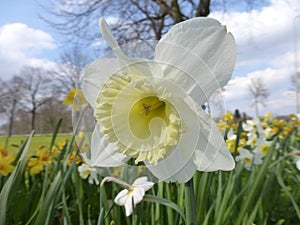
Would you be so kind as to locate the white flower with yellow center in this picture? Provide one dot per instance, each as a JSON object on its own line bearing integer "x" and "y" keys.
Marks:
{"x": 296, "y": 155}
{"x": 87, "y": 171}
{"x": 150, "y": 110}
{"x": 248, "y": 158}
{"x": 262, "y": 146}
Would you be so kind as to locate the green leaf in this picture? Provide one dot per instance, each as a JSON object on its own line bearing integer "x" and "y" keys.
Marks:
{"x": 13, "y": 182}
{"x": 165, "y": 202}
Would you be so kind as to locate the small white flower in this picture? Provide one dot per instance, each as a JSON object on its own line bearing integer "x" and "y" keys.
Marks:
{"x": 297, "y": 161}
{"x": 268, "y": 132}
{"x": 231, "y": 136}
{"x": 296, "y": 155}
{"x": 248, "y": 158}
{"x": 251, "y": 125}
{"x": 262, "y": 146}
{"x": 134, "y": 192}
{"x": 254, "y": 128}
{"x": 86, "y": 171}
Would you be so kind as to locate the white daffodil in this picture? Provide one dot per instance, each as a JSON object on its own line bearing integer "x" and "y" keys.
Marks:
{"x": 297, "y": 162}
{"x": 296, "y": 155}
{"x": 252, "y": 125}
{"x": 134, "y": 192}
{"x": 87, "y": 171}
{"x": 262, "y": 146}
{"x": 150, "y": 110}
{"x": 248, "y": 158}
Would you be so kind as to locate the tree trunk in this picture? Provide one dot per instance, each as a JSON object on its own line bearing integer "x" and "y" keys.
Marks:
{"x": 33, "y": 119}
{"x": 11, "y": 121}
{"x": 203, "y": 8}
{"x": 256, "y": 109}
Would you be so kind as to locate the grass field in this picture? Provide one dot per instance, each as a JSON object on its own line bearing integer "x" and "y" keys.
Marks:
{"x": 15, "y": 141}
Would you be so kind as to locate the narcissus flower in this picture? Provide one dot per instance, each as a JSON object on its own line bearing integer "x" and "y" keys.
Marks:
{"x": 296, "y": 155}
{"x": 150, "y": 110}
{"x": 263, "y": 146}
{"x": 248, "y": 159}
{"x": 74, "y": 97}
{"x": 5, "y": 163}
{"x": 86, "y": 171}
{"x": 39, "y": 160}
{"x": 134, "y": 192}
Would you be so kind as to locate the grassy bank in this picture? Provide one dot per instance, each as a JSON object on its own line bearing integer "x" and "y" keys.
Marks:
{"x": 15, "y": 141}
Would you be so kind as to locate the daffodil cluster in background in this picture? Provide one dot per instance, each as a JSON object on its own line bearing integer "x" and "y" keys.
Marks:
{"x": 249, "y": 145}
{"x": 38, "y": 159}
{"x": 54, "y": 182}
{"x": 250, "y": 139}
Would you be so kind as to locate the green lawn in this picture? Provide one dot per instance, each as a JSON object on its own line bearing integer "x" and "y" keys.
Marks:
{"x": 15, "y": 141}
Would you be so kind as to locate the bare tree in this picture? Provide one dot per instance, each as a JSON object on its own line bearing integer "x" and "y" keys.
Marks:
{"x": 69, "y": 70}
{"x": 36, "y": 90}
{"x": 129, "y": 19}
{"x": 11, "y": 95}
{"x": 50, "y": 113}
{"x": 259, "y": 92}
{"x": 296, "y": 89}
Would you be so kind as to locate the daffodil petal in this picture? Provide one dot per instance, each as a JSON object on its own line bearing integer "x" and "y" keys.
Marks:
{"x": 168, "y": 169}
{"x": 206, "y": 38}
{"x": 95, "y": 75}
{"x": 109, "y": 38}
{"x": 185, "y": 173}
{"x": 138, "y": 195}
{"x": 103, "y": 153}
{"x": 298, "y": 164}
{"x": 211, "y": 153}
{"x": 190, "y": 72}
{"x": 214, "y": 155}
{"x": 142, "y": 182}
{"x": 127, "y": 64}
{"x": 121, "y": 198}
{"x": 203, "y": 49}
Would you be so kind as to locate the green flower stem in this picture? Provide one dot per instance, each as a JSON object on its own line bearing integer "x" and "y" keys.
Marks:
{"x": 190, "y": 205}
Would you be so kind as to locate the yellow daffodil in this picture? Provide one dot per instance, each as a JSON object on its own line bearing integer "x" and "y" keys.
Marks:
{"x": 74, "y": 157}
{"x": 228, "y": 117}
{"x": 41, "y": 158}
{"x": 222, "y": 125}
{"x": 5, "y": 163}
{"x": 35, "y": 165}
{"x": 231, "y": 141}
{"x": 150, "y": 110}
{"x": 75, "y": 97}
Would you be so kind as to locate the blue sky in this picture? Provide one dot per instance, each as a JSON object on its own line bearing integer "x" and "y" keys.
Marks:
{"x": 264, "y": 39}
{"x": 24, "y": 37}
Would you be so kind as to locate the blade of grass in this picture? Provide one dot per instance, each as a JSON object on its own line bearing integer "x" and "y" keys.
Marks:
{"x": 165, "y": 202}
{"x": 286, "y": 190}
{"x": 13, "y": 181}
{"x": 255, "y": 187}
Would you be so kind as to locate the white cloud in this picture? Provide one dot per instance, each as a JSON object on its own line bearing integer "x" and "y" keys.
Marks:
{"x": 261, "y": 34}
{"x": 265, "y": 49}
{"x": 276, "y": 80}
{"x": 20, "y": 46}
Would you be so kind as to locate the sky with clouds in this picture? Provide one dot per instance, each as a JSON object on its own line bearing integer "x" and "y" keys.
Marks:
{"x": 265, "y": 40}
